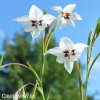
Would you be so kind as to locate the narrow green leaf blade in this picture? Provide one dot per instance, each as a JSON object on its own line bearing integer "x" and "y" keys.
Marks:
{"x": 97, "y": 32}
{"x": 90, "y": 37}
{"x": 50, "y": 35}
{"x": 95, "y": 59}
{"x": 89, "y": 45}
{"x": 24, "y": 94}
{"x": 1, "y": 60}
{"x": 45, "y": 12}
{"x": 49, "y": 94}
{"x": 36, "y": 75}
{"x": 34, "y": 91}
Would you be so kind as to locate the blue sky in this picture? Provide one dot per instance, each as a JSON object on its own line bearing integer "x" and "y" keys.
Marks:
{"x": 88, "y": 9}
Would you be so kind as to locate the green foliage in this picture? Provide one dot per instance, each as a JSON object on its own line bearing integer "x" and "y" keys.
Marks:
{"x": 62, "y": 86}
{"x": 1, "y": 60}
{"x": 91, "y": 41}
{"x": 96, "y": 33}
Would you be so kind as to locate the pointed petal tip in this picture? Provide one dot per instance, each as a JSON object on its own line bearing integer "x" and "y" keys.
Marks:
{"x": 33, "y": 5}
{"x": 53, "y": 7}
{"x": 69, "y": 71}
{"x": 57, "y": 8}
{"x": 74, "y": 5}
{"x": 69, "y": 8}
{"x": 64, "y": 39}
{"x": 22, "y": 19}
{"x": 73, "y": 26}
{"x": 78, "y": 16}
{"x": 35, "y": 12}
{"x": 16, "y": 19}
{"x": 48, "y": 18}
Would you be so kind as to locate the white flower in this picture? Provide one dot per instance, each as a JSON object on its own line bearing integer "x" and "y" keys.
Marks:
{"x": 66, "y": 15}
{"x": 67, "y": 52}
{"x": 36, "y": 21}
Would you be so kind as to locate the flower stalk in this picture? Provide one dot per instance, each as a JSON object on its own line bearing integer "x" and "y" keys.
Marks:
{"x": 80, "y": 80}
{"x": 43, "y": 56}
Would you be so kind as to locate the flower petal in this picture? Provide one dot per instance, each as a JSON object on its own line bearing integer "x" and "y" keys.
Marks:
{"x": 48, "y": 19}
{"x": 35, "y": 13}
{"x": 60, "y": 58}
{"x": 68, "y": 64}
{"x": 63, "y": 23}
{"x": 24, "y": 20}
{"x": 76, "y": 16}
{"x": 35, "y": 33}
{"x": 42, "y": 26}
{"x": 66, "y": 44}
{"x": 55, "y": 51}
{"x": 75, "y": 57}
{"x": 28, "y": 28}
{"x": 58, "y": 9}
{"x": 69, "y": 8}
{"x": 71, "y": 22}
{"x": 79, "y": 47}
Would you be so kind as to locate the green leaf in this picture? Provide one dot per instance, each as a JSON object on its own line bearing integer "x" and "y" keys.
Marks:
{"x": 34, "y": 90}
{"x": 49, "y": 94}
{"x": 89, "y": 45}
{"x": 36, "y": 75}
{"x": 50, "y": 35}
{"x": 42, "y": 93}
{"x": 23, "y": 90}
{"x": 45, "y": 12}
{"x": 1, "y": 60}
{"x": 47, "y": 30}
{"x": 17, "y": 94}
{"x": 95, "y": 59}
{"x": 97, "y": 32}
{"x": 24, "y": 94}
{"x": 90, "y": 37}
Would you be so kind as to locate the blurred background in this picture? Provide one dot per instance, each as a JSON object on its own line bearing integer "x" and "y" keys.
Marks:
{"x": 19, "y": 47}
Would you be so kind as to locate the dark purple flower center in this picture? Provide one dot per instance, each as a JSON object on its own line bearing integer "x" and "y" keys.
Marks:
{"x": 36, "y": 23}
{"x": 66, "y": 15}
{"x": 68, "y": 53}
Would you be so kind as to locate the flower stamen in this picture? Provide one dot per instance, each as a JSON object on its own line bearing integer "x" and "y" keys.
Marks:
{"x": 73, "y": 52}
{"x": 40, "y": 22}
{"x": 36, "y": 23}
{"x": 68, "y": 53}
{"x": 66, "y": 15}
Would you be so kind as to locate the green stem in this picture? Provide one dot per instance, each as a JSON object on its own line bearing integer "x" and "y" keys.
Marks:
{"x": 43, "y": 56}
{"x": 43, "y": 97}
{"x": 88, "y": 60}
{"x": 88, "y": 73}
{"x": 86, "y": 85}
{"x": 43, "y": 63}
{"x": 50, "y": 36}
{"x": 80, "y": 81}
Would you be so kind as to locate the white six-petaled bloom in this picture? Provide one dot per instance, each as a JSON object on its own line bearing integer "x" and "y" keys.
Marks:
{"x": 67, "y": 52}
{"x": 66, "y": 15}
{"x": 36, "y": 21}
